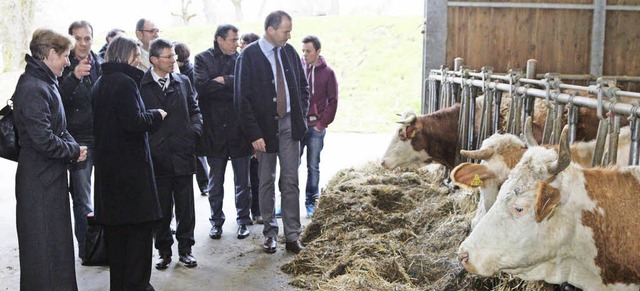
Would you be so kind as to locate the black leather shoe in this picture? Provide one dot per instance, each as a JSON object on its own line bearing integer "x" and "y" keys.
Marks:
{"x": 216, "y": 232}
{"x": 243, "y": 231}
{"x": 204, "y": 193}
{"x": 188, "y": 260}
{"x": 294, "y": 246}
{"x": 270, "y": 245}
{"x": 163, "y": 262}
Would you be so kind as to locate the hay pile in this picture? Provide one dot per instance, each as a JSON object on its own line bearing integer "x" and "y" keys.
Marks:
{"x": 376, "y": 229}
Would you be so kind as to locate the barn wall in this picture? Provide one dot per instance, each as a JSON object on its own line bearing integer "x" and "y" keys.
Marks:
{"x": 560, "y": 39}
{"x": 507, "y": 37}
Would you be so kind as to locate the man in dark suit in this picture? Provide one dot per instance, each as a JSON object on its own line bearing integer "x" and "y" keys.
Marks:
{"x": 272, "y": 99}
{"x": 222, "y": 139}
{"x": 173, "y": 150}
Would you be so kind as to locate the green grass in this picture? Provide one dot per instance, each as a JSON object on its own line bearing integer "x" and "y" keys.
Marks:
{"x": 377, "y": 61}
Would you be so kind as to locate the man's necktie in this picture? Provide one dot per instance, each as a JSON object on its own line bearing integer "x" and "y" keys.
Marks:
{"x": 161, "y": 81}
{"x": 281, "y": 101}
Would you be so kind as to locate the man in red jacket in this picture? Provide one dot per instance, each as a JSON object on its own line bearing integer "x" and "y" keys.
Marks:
{"x": 323, "y": 103}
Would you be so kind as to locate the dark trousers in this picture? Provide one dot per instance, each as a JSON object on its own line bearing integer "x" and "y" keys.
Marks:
{"x": 130, "y": 248}
{"x": 255, "y": 187}
{"x": 176, "y": 191}
{"x": 202, "y": 174}
{"x": 241, "y": 186}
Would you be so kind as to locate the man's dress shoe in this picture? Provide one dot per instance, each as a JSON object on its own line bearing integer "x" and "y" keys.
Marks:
{"x": 243, "y": 231}
{"x": 188, "y": 260}
{"x": 163, "y": 262}
{"x": 294, "y": 246}
{"x": 270, "y": 245}
{"x": 216, "y": 232}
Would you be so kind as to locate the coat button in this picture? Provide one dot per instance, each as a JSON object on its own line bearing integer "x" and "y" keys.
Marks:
{"x": 275, "y": 99}
{"x": 273, "y": 81}
{"x": 275, "y": 117}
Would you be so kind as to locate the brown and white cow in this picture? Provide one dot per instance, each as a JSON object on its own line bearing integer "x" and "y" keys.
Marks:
{"x": 501, "y": 152}
{"x": 558, "y": 222}
{"x": 433, "y": 137}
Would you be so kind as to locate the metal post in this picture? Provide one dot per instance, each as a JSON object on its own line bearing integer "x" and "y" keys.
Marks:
{"x": 435, "y": 38}
{"x": 598, "y": 36}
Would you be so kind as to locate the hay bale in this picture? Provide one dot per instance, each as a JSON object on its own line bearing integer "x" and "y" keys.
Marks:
{"x": 377, "y": 229}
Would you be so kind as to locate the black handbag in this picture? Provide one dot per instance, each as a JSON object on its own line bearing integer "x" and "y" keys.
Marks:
{"x": 95, "y": 245}
{"x": 9, "y": 148}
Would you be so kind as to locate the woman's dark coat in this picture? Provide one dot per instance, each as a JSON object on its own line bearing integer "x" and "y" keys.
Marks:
{"x": 174, "y": 143}
{"x": 222, "y": 137}
{"x": 255, "y": 95}
{"x": 125, "y": 188}
{"x": 43, "y": 219}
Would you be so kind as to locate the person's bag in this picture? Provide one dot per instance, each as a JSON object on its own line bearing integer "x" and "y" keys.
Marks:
{"x": 9, "y": 148}
{"x": 95, "y": 245}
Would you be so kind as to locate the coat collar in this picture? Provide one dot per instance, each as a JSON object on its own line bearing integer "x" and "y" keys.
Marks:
{"x": 132, "y": 72}
{"x": 40, "y": 70}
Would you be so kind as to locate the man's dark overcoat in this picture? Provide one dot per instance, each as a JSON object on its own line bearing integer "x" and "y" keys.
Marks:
{"x": 222, "y": 136}
{"x": 174, "y": 143}
{"x": 255, "y": 95}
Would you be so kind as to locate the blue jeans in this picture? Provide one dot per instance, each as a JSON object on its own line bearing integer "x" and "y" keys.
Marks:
{"x": 80, "y": 189}
{"x": 241, "y": 185}
{"x": 314, "y": 141}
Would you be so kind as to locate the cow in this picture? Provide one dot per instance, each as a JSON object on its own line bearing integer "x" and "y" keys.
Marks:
{"x": 501, "y": 152}
{"x": 433, "y": 137}
{"x": 558, "y": 222}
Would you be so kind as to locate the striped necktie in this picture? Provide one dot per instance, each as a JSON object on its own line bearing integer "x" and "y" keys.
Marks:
{"x": 162, "y": 81}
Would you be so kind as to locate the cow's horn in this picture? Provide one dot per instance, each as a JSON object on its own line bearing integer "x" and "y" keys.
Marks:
{"x": 408, "y": 120}
{"x": 528, "y": 134}
{"x": 564, "y": 155}
{"x": 482, "y": 154}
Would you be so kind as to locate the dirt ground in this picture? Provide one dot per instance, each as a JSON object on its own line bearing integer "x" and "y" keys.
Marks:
{"x": 225, "y": 264}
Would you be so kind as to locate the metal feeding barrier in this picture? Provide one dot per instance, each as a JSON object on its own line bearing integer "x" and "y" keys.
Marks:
{"x": 447, "y": 87}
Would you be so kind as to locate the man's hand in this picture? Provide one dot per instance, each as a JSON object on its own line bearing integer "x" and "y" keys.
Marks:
{"x": 259, "y": 145}
{"x": 163, "y": 113}
{"x": 219, "y": 79}
{"x": 83, "y": 154}
{"x": 82, "y": 69}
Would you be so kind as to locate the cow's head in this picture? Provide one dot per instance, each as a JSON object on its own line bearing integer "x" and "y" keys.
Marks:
{"x": 400, "y": 150}
{"x": 499, "y": 154}
{"x": 523, "y": 230}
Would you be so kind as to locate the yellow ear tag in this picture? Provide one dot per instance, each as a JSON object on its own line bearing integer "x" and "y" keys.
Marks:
{"x": 476, "y": 181}
{"x": 413, "y": 134}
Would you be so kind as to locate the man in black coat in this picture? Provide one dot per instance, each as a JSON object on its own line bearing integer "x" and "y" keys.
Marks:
{"x": 173, "y": 150}
{"x": 75, "y": 90}
{"x": 222, "y": 137}
{"x": 272, "y": 99}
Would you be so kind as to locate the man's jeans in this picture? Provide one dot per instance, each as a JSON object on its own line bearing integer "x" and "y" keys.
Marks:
{"x": 80, "y": 189}
{"x": 241, "y": 186}
{"x": 314, "y": 141}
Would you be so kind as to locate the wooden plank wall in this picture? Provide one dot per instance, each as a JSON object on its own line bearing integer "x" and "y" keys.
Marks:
{"x": 560, "y": 39}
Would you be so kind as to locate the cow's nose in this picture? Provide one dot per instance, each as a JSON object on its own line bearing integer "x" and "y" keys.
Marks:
{"x": 463, "y": 258}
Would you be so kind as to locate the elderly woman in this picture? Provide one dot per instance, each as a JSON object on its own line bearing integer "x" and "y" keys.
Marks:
{"x": 43, "y": 216}
{"x": 126, "y": 200}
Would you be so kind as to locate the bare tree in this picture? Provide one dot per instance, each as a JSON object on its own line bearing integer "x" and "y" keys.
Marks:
{"x": 184, "y": 13}
{"x": 238, "y": 5}
{"x": 16, "y": 26}
{"x": 210, "y": 10}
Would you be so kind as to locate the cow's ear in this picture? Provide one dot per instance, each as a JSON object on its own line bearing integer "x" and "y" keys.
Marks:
{"x": 469, "y": 175}
{"x": 546, "y": 202}
{"x": 410, "y": 132}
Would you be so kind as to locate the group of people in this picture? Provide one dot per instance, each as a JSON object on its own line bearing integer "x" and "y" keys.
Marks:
{"x": 147, "y": 121}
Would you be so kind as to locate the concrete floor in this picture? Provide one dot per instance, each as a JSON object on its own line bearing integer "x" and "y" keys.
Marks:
{"x": 225, "y": 264}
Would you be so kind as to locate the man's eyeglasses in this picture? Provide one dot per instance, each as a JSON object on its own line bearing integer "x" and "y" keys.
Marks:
{"x": 152, "y": 31}
{"x": 175, "y": 57}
